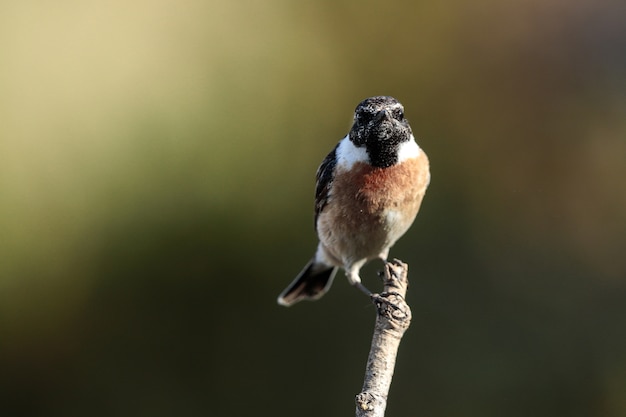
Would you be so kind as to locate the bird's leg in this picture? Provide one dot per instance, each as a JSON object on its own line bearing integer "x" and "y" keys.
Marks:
{"x": 383, "y": 257}
{"x": 355, "y": 280}
{"x": 363, "y": 288}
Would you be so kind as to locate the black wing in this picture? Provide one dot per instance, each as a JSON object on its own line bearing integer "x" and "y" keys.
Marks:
{"x": 324, "y": 177}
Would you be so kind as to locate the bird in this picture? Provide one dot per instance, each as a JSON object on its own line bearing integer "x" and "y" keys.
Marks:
{"x": 368, "y": 191}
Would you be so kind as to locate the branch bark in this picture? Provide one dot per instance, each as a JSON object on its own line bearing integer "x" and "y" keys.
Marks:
{"x": 392, "y": 319}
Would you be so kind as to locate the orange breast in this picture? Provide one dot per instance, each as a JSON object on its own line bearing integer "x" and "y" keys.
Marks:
{"x": 370, "y": 208}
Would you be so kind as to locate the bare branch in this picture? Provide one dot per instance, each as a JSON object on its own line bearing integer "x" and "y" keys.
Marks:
{"x": 392, "y": 319}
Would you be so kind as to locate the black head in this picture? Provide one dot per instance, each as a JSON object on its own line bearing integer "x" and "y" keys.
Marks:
{"x": 380, "y": 126}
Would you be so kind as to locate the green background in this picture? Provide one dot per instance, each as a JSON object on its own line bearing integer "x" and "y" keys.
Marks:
{"x": 157, "y": 164}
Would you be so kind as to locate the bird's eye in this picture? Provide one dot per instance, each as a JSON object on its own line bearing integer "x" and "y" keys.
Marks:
{"x": 398, "y": 114}
{"x": 364, "y": 116}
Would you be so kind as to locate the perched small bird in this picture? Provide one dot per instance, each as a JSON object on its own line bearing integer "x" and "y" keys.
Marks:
{"x": 368, "y": 192}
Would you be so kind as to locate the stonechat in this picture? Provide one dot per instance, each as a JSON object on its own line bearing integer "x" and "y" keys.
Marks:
{"x": 368, "y": 192}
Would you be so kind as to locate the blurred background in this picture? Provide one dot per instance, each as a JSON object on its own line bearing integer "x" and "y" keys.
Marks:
{"x": 157, "y": 163}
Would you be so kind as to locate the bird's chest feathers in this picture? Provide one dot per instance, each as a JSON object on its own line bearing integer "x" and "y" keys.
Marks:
{"x": 372, "y": 198}
{"x": 375, "y": 191}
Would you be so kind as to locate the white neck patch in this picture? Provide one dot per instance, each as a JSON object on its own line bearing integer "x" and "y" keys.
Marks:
{"x": 408, "y": 150}
{"x": 348, "y": 154}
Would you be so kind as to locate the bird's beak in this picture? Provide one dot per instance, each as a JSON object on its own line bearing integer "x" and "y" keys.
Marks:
{"x": 382, "y": 115}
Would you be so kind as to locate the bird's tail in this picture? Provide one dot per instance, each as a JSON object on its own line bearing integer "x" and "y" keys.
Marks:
{"x": 310, "y": 284}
